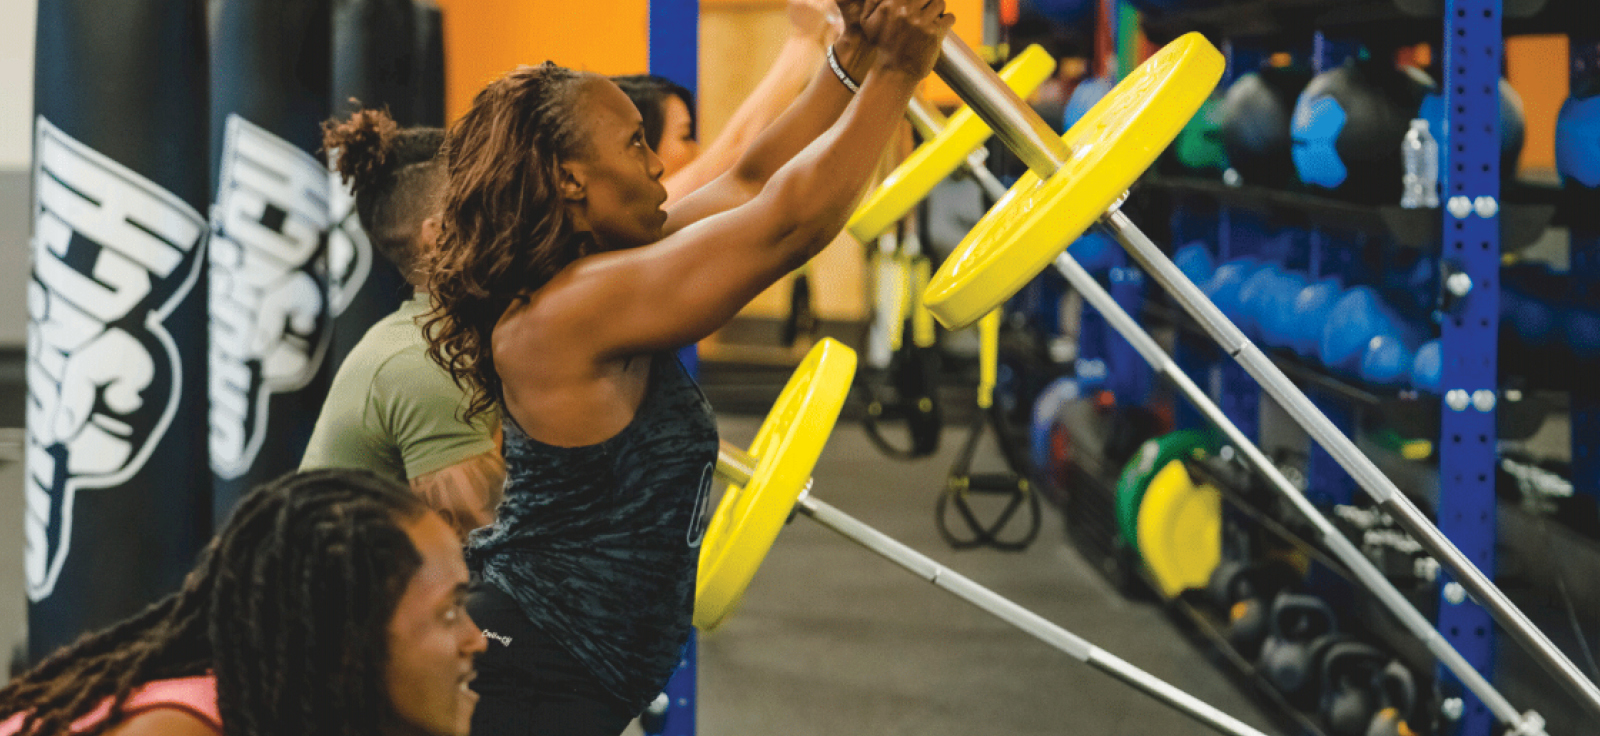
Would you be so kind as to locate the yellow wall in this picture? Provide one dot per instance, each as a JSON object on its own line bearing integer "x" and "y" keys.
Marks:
{"x": 485, "y": 38}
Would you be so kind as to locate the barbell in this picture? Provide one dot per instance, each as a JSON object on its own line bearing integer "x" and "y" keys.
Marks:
{"x": 1329, "y": 535}
{"x": 1079, "y": 179}
{"x": 771, "y": 482}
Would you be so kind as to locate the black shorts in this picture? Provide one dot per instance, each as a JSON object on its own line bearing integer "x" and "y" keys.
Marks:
{"x": 528, "y": 685}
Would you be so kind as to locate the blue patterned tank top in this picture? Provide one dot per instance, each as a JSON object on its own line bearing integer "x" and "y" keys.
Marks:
{"x": 598, "y": 545}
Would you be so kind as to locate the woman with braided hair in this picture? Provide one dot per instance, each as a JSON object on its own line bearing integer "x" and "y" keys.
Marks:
{"x": 332, "y": 604}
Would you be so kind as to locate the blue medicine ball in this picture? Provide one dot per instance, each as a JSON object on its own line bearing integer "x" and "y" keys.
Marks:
{"x": 1084, "y": 96}
{"x": 1195, "y": 261}
{"x": 1426, "y": 367}
{"x": 1578, "y": 141}
{"x": 1347, "y": 128}
{"x": 1309, "y": 315}
{"x": 1357, "y": 317}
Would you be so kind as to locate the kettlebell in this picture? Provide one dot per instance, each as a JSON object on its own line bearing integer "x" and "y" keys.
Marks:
{"x": 1349, "y": 687}
{"x": 1397, "y": 697}
{"x": 1298, "y": 627}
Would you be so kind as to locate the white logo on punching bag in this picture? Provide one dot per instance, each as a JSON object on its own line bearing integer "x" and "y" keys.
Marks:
{"x": 269, "y": 328}
{"x": 113, "y": 255}
{"x": 349, "y": 250}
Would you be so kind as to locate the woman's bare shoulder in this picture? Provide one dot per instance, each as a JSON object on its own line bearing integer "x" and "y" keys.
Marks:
{"x": 164, "y": 722}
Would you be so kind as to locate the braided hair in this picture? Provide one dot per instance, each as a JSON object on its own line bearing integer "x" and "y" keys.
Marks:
{"x": 289, "y": 606}
{"x": 393, "y": 174}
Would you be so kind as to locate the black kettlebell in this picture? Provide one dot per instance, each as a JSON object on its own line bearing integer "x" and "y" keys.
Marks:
{"x": 1349, "y": 687}
{"x": 1299, "y": 628}
{"x": 1397, "y": 697}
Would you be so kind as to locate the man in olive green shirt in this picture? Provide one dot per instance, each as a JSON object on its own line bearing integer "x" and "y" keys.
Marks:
{"x": 391, "y": 409}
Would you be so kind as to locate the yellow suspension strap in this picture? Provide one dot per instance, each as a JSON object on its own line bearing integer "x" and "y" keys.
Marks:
{"x": 902, "y": 389}
{"x": 963, "y": 483}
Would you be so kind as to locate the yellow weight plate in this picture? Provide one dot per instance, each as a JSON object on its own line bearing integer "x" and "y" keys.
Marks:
{"x": 936, "y": 159}
{"x": 1180, "y": 530}
{"x": 1111, "y": 146}
{"x": 786, "y": 449}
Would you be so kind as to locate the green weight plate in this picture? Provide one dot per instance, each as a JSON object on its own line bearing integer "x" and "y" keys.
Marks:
{"x": 1152, "y": 456}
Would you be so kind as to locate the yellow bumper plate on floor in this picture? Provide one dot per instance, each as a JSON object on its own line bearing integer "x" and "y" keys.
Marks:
{"x": 786, "y": 449}
{"x": 1111, "y": 147}
{"x": 1180, "y": 530}
{"x": 914, "y": 178}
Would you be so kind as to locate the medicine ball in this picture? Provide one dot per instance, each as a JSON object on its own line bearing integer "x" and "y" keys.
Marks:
{"x": 1083, "y": 97}
{"x": 1256, "y": 115}
{"x": 1578, "y": 141}
{"x": 1348, "y": 125}
{"x": 1199, "y": 149}
{"x": 1512, "y": 124}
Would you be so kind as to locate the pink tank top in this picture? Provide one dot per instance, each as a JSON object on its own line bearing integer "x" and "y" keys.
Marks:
{"x": 196, "y": 696}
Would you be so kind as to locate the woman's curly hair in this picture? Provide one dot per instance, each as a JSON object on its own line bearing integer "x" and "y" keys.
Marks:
{"x": 506, "y": 229}
{"x": 289, "y": 607}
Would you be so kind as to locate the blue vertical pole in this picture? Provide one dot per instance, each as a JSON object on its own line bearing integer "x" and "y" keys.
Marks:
{"x": 1470, "y": 172}
{"x": 675, "y": 54}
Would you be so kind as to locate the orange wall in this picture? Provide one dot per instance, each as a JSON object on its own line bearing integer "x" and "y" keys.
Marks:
{"x": 485, "y": 38}
{"x": 1536, "y": 66}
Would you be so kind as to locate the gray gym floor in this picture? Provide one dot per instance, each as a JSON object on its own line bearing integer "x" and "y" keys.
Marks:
{"x": 832, "y": 638}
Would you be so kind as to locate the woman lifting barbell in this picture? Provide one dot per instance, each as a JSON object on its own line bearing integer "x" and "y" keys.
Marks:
{"x": 561, "y": 287}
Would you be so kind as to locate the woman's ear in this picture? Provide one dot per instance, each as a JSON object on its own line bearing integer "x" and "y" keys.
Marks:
{"x": 572, "y": 182}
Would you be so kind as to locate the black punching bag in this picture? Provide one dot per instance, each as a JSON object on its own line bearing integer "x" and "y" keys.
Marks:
{"x": 118, "y": 491}
{"x": 373, "y": 64}
{"x": 270, "y": 326}
{"x": 429, "y": 76}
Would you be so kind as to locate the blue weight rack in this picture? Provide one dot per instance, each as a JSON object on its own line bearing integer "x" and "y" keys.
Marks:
{"x": 1472, "y": 51}
{"x": 1469, "y": 163}
{"x": 675, "y": 54}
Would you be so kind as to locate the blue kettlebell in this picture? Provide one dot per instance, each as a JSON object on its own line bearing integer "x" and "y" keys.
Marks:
{"x": 1578, "y": 141}
{"x": 1195, "y": 261}
{"x": 1083, "y": 97}
{"x": 1277, "y": 313}
{"x": 1309, "y": 315}
{"x": 1583, "y": 332}
{"x": 1387, "y": 360}
{"x": 1094, "y": 251}
{"x": 1225, "y": 283}
{"x": 1256, "y": 296}
{"x": 1357, "y": 317}
{"x": 1426, "y": 367}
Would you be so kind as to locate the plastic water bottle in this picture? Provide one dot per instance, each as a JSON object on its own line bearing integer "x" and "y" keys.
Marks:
{"x": 1420, "y": 152}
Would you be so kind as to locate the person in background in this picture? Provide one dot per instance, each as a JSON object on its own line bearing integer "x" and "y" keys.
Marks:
{"x": 390, "y": 409}
{"x": 331, "y": 604}
{"x": 671, "y": 124}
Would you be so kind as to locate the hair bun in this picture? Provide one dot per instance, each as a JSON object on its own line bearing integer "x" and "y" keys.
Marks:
{"x": 360, "y": 147}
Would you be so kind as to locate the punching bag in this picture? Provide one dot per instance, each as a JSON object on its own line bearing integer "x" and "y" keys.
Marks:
{"x": 270, "y": 326}
{"x": 373, "y": 49}
{"x": 118, "y": 492}
{"x": 428, "y": 79}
